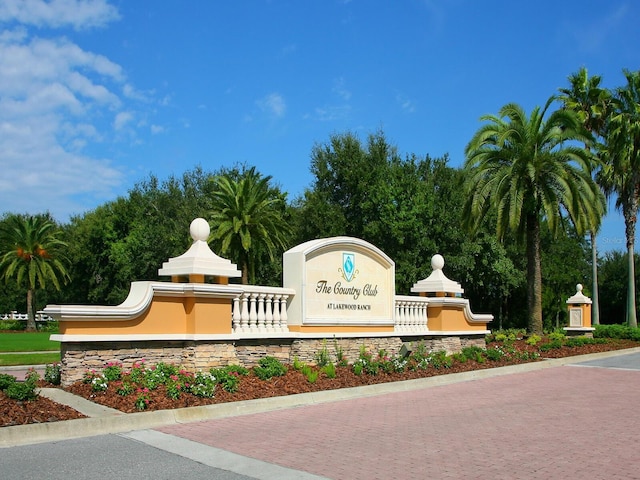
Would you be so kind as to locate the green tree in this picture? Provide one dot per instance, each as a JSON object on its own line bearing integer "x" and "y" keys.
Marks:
{"x": 528, "y": 170}
{"x": 621, "y": 171}
{"x": 248, "y": 219}
{"x": 32, "y": 255}
{"x": 592, "y": 104}
{"x": 408, "y": 207}
{"x": 613, "y": 271}
{"x": 129, "y": 238}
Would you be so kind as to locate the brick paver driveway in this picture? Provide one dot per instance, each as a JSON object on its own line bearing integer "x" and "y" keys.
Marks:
{"x": 564, "y": 422}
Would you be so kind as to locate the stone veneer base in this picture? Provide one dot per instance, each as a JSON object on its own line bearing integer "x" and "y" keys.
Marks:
{"x": 78, "y": 357}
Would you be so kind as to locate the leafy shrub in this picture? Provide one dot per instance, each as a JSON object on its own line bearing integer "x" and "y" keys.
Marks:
{"x": 533, "y": 339}
{"x": 400, "y": 364}
{"x": 552, "y": 345}
{"x": 124, "y": 389}
{"x": 112, "y": 372}
{"x": 12, "y": 325}
{"x": 174, "y": 390}
{"x": 623, "y": 332}
{"x": 419, "y": 357}
{"x": 494, "y": 354}
{"x": 459, "y": 357}
{"x": 52, "y": 374}
{"x": 322, "y": 357}
{"x": 142, "y": 400}
{"x": 556, "y": 336}
{"x": 269, "y": 367}
{"x": 229, "y": 377}
{"x": 297, "y": 364}
{"x": 6, "y": 381}
{"x": 21, "y": 391}
{"x": 508, "y": 335}
{"x": 242, "y": 371}
{"x": 329, "y": 370}
{"x": 341, "y": 358}
{"x": 473, "y": 352}
{"x": 440, "y": 360}
{"x": 310, "y": 373}
{"x": 204, "y": 385}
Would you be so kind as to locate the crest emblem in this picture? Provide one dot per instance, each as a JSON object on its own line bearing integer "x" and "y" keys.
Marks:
{"x": 348, "y": 269}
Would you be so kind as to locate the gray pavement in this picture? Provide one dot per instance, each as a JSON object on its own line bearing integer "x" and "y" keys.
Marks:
{"x": 544, "y": 420}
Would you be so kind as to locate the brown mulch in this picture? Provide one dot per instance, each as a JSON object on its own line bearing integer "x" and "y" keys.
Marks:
{"x": 40, "y": 410}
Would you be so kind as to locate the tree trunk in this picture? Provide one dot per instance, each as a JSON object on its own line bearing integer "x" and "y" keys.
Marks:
{"x": 631, "y": 288}
{"x": 534, "y": 276}
{"x": 630, "y": 213}
{"x": 595, "y": 307}
{"x": 31, "y": 318}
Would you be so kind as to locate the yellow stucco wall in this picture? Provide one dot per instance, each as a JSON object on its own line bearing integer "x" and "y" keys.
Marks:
{"x": 451, "y": 319}
{"x": 165, "y": 315}
{"x": 340, "y": 328}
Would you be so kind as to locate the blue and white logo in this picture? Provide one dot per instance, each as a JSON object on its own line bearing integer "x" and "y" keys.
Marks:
{"x": 349, "y": 266}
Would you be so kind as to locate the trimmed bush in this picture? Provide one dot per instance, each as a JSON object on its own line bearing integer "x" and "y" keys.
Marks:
{"x": 269, "y": 367}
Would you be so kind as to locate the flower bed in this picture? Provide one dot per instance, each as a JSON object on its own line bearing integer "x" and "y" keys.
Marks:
{"x": 166, "y": 386}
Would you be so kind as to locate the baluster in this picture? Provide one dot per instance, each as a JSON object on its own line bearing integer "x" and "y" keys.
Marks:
{"x": 261, "y": 315}
{"x": 236, "y": 315}
{"x": 406, "y": 320}
{"x": 244, "y": 321}
{"x": 412, "y": 316}
{"x": 425, "y": 316}
{"x": 253, "y": 313}
{"x": 269, "y": 313}
{"x": 276, "y": 312}
{"x": 283, "y": 314}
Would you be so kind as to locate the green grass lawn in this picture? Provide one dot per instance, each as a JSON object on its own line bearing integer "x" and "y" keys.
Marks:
{"x": 11, "y": 359}
{"x": 27, "y": 342}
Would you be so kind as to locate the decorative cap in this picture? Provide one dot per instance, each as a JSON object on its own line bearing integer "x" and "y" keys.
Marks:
{"x": 199, "y": 259}
{"x": 579, "y": 297}
{"x": 437, "y": 281}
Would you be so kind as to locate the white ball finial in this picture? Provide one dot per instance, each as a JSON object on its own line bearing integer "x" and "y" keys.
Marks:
{"x": 437, "y": 262}
{"x": 579, "y": 288}
{"x": 199, "y": 230}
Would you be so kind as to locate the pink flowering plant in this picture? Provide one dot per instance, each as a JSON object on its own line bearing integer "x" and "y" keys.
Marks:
{"x": 142, "y": 399}
{"x": 112, "y": 371}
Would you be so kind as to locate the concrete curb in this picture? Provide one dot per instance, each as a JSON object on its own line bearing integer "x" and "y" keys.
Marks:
{"x": 109, "y": 422}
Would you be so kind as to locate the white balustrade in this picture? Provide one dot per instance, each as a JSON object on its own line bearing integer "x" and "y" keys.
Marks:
{"x": 411, "y": 314}
{"x": 23, "y": 317}
{"x": 260, "y": 310}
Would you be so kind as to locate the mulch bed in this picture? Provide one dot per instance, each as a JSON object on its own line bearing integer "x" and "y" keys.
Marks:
{"x": 41, "y": 410}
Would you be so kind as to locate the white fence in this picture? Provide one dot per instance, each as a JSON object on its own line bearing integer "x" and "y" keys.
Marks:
{"x": 22, "y": 317}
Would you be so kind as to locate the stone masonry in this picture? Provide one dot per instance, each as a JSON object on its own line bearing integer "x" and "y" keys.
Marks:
{"x": 79, "y": 357}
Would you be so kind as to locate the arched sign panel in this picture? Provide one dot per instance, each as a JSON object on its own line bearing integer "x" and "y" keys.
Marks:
{"x": 339, "y": 281}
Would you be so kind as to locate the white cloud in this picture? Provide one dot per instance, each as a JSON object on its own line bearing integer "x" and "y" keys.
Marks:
{"x": 274, "y": 104}
{"x": 56, "y": 103}
{"x": 331, "y": 112}
{"x": 592, "y": 37}
{"x": 405, "y": 103}
{"x": 121, "y": 120}
{"x": 79, "y": 14}
{"x": 340, "y": 89}
{"x": 157, "y": 129}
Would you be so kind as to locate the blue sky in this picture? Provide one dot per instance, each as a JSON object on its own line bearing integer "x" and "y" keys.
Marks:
{"x": 95, "y": 95}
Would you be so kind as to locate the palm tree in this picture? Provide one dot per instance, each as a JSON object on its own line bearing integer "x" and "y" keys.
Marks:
{"x": 248, "y": 218}
{"x": 621, "y": 170}
{"x": 528, "y": 170}
{"x": 591, "y": 104}
{"x": 31, "y": 253}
